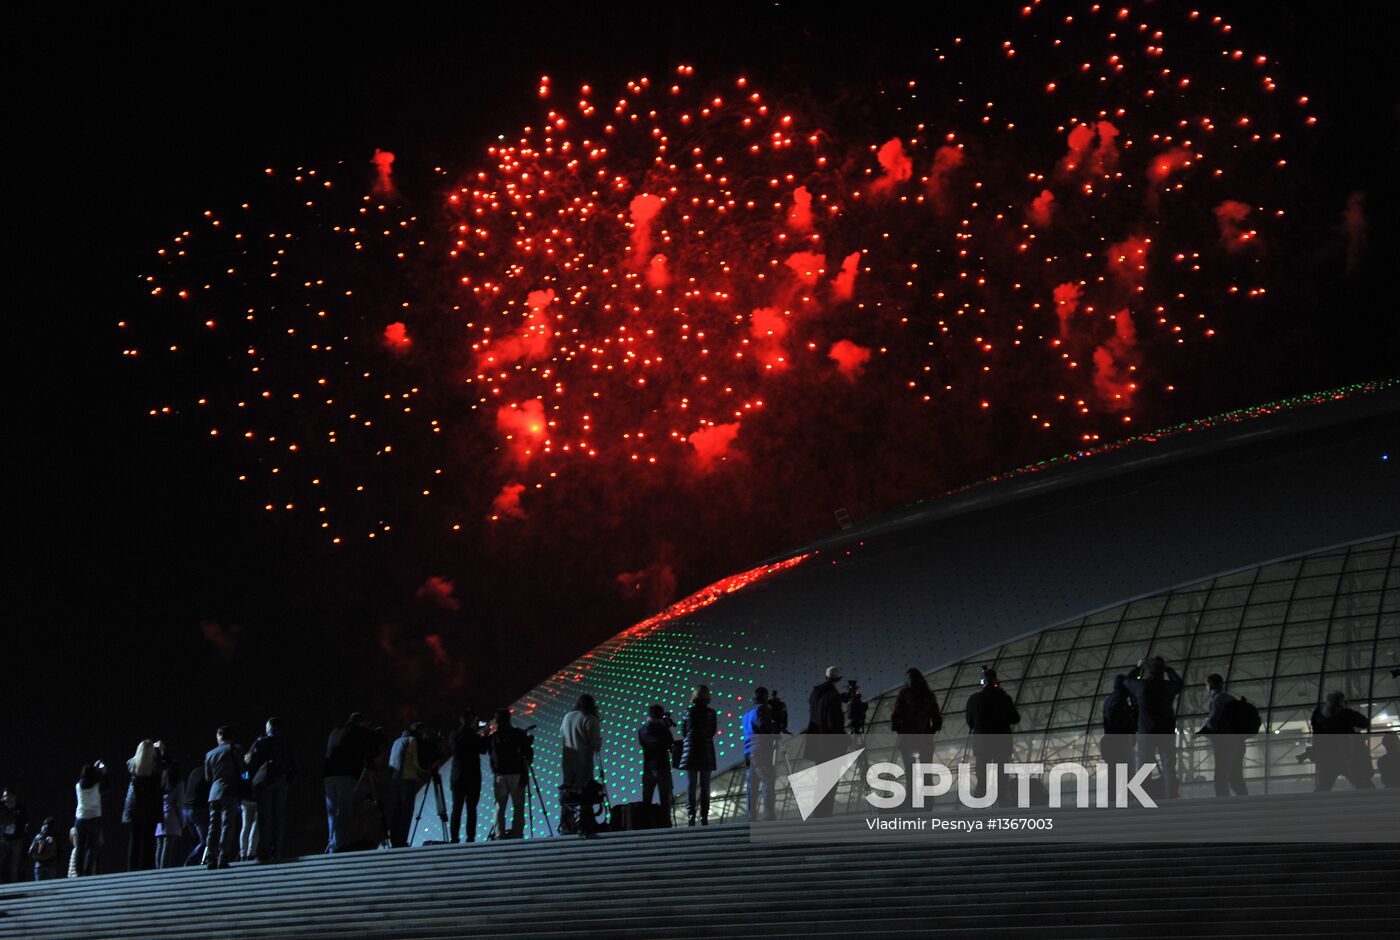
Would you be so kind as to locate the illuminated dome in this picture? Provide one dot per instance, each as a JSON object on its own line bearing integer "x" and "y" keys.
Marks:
{"x": 1260, "y": 543}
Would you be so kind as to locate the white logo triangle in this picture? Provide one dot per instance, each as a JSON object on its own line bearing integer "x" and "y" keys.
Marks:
{"x": 810, "y": 786}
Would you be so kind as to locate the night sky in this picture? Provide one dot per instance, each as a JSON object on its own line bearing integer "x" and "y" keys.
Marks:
{"x": 156, "y": 600}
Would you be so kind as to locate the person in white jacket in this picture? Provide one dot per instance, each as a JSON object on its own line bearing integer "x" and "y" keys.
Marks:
{"x": 582, "y": 737}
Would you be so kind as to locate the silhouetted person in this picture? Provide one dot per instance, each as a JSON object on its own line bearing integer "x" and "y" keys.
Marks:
{"x": 760, "y": 740}
{"x": 223, "y": 768}
{"x": 1155, "y": 690}
{"x": 46, "y": 851}
{"x": 826, "y": 719}
{"x": 87, "y": 825}
{"x": 856, "y": 708}
{"x": 14, "y": 826}
{"x": 581, "y": 735}
{"x": 991, "y": 715}
{"x": 351, "y": 749}
{"x": 408, "y": 778}
{"x": 273, "y": 768}
{"x": 1337, "y": 749}
{"x": 1120, "y": 723}
{"x": 655, "y": 738}
{"x": 1225, "y": 740}
{"x": 195, "y": 812}
{"x": 468, "y": 744}
{"x": 915, "y": 720}
{"x": 171, "y": 827}
{"x": 698, "y": 754}
{"x": 142, "y": 809}
{"x": 510, "y": 754}
{"x": 1389, "y": 762}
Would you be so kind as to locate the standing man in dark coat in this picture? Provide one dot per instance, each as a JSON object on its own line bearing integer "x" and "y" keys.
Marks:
{"x": 1120, "y": 721}
{"x": 1156, "y": 691}
{"x": 827, "y": 721}
{"x": 223, "y": 768}
{"x": 656, "y": 739}
{"x": 468, "y": 744}
{"x": 1225, "y": 742}
{"x": 350, "y": 749}
{"x": 990, "y": 716}
{"x": 273, "y": 767}
{"x": 915, "y": 720}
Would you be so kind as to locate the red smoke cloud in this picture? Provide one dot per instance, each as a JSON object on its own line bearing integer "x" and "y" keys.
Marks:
{"x": 713, "y": 443}
{"x": 530, "y": 343}
{"x": 225, "y": 640}
{"x": 506, "y": 505}
{"x": 523, "y": 425}
{"x": 845, "y": 284}
{"x": 1169, "y": 162}
{"x": 658, "y": 277}
{"x": 383, "y": 162}
{"x": 440, "y": 592}
{"x": 849, "y": 357}
{"x": 1066, "y": 303}
{"x": 769, "y": 326}
{"x": 437, "y": 649}
{"x": 396, "y": 337}
{"x": 800, "y": 215}
{"x": 1128, "y": 259}
{"x": 896, "y": 164}
{"x": 654, "y": 584}
{"x": 945, "y": 160}
{"x": 644, "y": 210}
{"x": 1042, "y": 209}
{"x": 1104, "y": 157}
{"x": 1230, "y": 216}
{"x": 1115, "y": 362}
{"x": 807, "y": 265}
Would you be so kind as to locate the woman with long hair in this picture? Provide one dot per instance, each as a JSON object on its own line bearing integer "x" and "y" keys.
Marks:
{"x": 698, "y": 753}
{"x": 142, "y": 808}
{"x": 915, "y": 720}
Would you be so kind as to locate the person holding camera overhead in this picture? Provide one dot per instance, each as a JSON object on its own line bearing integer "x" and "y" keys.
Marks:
{"x": 698, "y": 753}
{"x": 656, "y": 739}
{"x": 511, "y": 753}
{"x": 351, "y": 748}
{"x": 88, "y": 818}
{"x": 467, "y": 744}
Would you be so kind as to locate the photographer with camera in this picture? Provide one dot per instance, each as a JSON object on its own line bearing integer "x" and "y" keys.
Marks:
{"x": 582, "y": 736}
{"x": 273, "y": 767}
{"x": 88, "y": 818}
{"x": 656, "y": 740}
{"x": 350, "y": 751}
{"x": 1120, "y": 723}
{"x": 468, "y": 744}
{"x": 1156, "y": 688}
{"x": 511, "y": 750}
{"x": 826, "y": 729}
{"x": 408, "y": 777}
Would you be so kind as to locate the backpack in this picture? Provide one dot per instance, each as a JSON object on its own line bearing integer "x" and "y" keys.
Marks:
{"x": 1123, "y": 718}
{"x": 1242, "y": 717}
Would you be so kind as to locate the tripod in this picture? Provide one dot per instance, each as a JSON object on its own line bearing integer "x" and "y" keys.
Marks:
{"x": 436, "y": 775}
{"x": 539, "y": 795}
{"x": 368, "y": 774}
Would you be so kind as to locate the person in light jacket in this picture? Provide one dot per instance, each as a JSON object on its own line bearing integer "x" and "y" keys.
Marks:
{"x": 582, "y": 737}
{"x": 87, "y": 824}
{"x": 698, "y": 754}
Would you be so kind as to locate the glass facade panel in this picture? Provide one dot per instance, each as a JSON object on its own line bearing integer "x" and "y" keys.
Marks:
{"x": 1283, "y": 635}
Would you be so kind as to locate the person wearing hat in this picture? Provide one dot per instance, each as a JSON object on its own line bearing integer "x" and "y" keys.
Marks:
{"x": 826, "y": 720}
